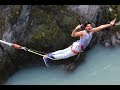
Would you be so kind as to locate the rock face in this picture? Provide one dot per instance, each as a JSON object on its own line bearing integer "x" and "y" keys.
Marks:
{"x": 86, "y": 12}
{"x": 43, "y": 28}
{"x": 48, "y": 28}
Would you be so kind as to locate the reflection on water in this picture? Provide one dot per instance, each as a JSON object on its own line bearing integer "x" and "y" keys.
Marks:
{"x": 102, "y": 66}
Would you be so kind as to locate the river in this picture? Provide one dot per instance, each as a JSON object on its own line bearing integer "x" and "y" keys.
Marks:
{"x": 101, "y": 67}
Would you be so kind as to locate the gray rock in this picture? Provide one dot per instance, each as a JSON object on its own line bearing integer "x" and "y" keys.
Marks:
{"x": 107, "y": 44}
{"x": 89, "y": 12}
{"x": 118, "y": 35}
{"x": 113, "y": 40}
{"x": 118, "y": 42}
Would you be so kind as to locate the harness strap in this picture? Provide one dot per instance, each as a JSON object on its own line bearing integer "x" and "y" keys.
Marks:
{"x": 81, "y": 47}
{"x": 74, "y": 51}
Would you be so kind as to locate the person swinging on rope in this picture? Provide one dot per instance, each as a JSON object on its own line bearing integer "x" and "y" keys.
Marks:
{"x": 79, "y": 45}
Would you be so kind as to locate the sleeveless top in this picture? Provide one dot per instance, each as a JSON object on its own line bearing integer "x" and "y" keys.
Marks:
{"x": 84, "y": 41}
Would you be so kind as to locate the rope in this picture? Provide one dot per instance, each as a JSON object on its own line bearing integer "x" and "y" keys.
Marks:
{"x": 26, "y": 49}
{"x": 36, "y": 52}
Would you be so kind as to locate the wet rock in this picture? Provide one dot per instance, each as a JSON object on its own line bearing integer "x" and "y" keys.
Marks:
{"x": 70, "y": 67}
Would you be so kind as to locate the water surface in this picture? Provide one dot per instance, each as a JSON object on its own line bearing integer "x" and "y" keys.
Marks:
{"x": 102, "y": 66}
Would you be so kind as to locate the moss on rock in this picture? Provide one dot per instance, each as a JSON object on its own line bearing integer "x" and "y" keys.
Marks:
{"x": 15, "y": 11}
{"x": 50, "y": 28}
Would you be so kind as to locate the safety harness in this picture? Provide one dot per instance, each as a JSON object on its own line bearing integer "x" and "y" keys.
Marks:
{"x": 76, "y": 52}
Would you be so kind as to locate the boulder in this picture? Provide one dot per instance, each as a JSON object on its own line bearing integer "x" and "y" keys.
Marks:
{"x": 113, "y": 40}
{"x": 107, "y": 44}
{"x": 118, "y": 35}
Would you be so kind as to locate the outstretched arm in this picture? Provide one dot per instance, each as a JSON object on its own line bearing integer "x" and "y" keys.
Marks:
{"x": 75, "y": 32}
{"x": 104, "y": 26}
